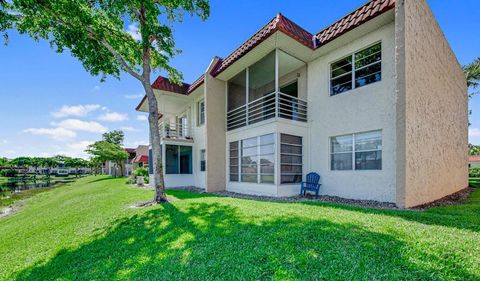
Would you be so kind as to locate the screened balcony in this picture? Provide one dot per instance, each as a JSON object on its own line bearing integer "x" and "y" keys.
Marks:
{"x": 273, "y": 87}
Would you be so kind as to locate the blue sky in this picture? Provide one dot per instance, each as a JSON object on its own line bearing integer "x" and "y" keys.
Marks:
{"x": 50, "y": 105}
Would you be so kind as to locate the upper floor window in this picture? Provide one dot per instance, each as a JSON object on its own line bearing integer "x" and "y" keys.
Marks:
{"x": 356, "y": 70}
{"x": 360, "y": 151}
{"x": 201, "y": 112}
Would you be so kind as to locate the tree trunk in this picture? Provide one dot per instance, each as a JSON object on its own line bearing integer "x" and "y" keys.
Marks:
{"x": 153, "y": 116}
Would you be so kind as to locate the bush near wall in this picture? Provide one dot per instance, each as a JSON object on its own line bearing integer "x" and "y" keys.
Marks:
{"x": 474, "y": 172}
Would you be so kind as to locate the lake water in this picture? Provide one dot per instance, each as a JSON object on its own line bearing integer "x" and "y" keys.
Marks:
{"x": 18, "y": 184}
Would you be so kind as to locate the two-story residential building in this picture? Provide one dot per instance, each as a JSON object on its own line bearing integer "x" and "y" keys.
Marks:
{"x": 376, "y": 103}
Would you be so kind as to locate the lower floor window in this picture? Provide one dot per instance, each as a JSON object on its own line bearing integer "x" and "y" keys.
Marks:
{"x": 178, "y": 159}
{"x": 253, "y": 159}
{"x": 202, "y": 160}
{"x": 291, "y": 158}
{"x": 360, "y": 151}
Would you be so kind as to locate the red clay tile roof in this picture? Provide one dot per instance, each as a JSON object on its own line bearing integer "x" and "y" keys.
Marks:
{"x": 140, "y": 158}
{"x": 366, "y": 12}
{"x": 474, "y": 158}
{"x": 279, "y": 23}
{"x": 196, "y": 84}
{"x": 162, "y": 83}
{"x": 356, "y": 18}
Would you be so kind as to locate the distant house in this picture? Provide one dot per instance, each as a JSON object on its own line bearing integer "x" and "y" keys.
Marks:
{"x": 141, "y": 157}
{"x": 137, "y": 157}
{"x": 474, "y": 161}
{"x": 376, "y": 103}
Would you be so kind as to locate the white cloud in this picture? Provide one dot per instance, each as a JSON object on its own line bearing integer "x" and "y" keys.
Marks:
{"x": 79, "y": 125}
{"x": 474, "y": 132}
{"x": 134, "y": 31}
{"x": 129, "y": 129}
{"x": 54, "y": 133}
{"x": 113, "y": 117}
{"x": 133, "y": 97}
{"x": 3, "y": 142}
{"x": 10, "y": 152}
{"x": 142, "y": 118}
{"x": 75, "y": 110}
{"x": 96, "y": 88}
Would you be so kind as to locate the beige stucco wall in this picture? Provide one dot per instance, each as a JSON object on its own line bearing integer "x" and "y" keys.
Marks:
{"x": 215, "y": 131}
{"x": 368, "y": 108}
{"x": 431, "y": 108}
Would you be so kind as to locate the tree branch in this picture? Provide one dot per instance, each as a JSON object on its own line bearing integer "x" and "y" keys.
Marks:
{"x": 121, "y": 60}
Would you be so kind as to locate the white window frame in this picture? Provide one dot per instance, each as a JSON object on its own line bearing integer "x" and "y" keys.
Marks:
{"x": 354, "y": 69}
{"x": 354, "y": 151}
{"x": 200, "y": 112}
{"x": 258, "y": 156}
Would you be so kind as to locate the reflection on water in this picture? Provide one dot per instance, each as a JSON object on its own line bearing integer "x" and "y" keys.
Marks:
{"x": 17, "y": 184}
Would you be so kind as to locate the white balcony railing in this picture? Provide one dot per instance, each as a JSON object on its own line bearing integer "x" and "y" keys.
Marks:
{"x": 175, "y": 130}
{"x": 275, "y": 104}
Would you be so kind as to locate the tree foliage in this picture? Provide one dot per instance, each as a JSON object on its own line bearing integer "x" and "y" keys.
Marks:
{"x": 472, "y": 73}
{"x": 115, "y": 137}
{"x": 94, "y": 33}
{"x": 473, "y": 149}
{"x": 94, "y": 30}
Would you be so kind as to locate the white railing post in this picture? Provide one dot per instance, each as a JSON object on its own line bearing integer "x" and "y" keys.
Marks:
{"x": 247, "y": 93}
{"x": 276, "y": 83}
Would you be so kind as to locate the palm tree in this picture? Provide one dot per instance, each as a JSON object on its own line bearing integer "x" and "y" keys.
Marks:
{"x": 472, "y": 73}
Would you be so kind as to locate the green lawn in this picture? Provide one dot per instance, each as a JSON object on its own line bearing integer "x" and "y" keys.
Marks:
{"x": 87, "y": 231}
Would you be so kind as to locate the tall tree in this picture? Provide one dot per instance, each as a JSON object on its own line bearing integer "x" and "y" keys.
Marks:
{"x": 94, "y": 32}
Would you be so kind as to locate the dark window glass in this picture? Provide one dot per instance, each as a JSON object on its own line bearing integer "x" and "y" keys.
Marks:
{"x": 291, "y": 149}
{"x": 150, "y": 162}
{"x": 291, "y": 178}
{"x": 371, "y": 160}
{"x": 369, "y": 74}
{"x": 289, "y": 169}
{"x": 368, "y": 56}
{"x": 341, "y": 161}
{"x": 185, "y": 159}
{"x": 367, "y": 65}
{"x": 341, "y": 84}
{"x": 202, "y": 160}
{"x": 237, "y": 90}
{"x": 234, "y": 161}
{"x": 291, "y": 159}
{"x": 341, "y": 67}
{"x": 171, "y": 159}
{"x": 289, "y": 139}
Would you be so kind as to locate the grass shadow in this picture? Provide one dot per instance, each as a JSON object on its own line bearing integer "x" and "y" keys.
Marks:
{"x": 206, "y": 241}
{"x": 461, "y": 216}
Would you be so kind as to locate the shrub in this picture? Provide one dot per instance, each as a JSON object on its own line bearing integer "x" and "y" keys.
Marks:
{"x": 474, "y": 172}
{"x": 140, "y": 171}
{"x": 8, "y": 173}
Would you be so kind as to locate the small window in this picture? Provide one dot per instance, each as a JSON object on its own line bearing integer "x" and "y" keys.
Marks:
{"x": 202, "y": 160}
{"x": 234, "y": 161}
{"x": 360, "y": 151}
{"x": 201, "y": 112}
{"x": 359, "y": 69}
